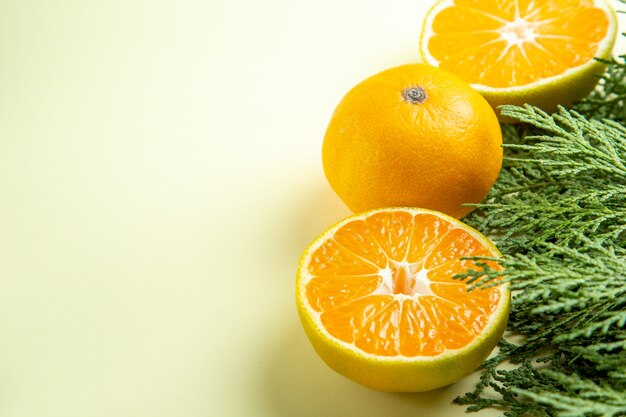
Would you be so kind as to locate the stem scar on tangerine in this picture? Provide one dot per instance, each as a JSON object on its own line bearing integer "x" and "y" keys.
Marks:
{"x": 414, "y": 95}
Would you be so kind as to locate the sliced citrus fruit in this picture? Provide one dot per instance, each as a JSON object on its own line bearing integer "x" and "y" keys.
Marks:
{"x": 377, "y": 299}
{"x": 539, "y": 52}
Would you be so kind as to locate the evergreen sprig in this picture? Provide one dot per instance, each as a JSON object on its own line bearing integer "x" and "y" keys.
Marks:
{"x": 558, "y": 214}
{"x": 607, "y": 101}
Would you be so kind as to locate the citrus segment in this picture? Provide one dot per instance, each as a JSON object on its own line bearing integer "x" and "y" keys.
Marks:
{"x": 424, "y": 235}
{"x": 539, "y": 52}
{"x": 333, "y": 259}
{"x": 327, "y": 292}
{"x": 455, "y": 244}
{"x": 378, "y": 288}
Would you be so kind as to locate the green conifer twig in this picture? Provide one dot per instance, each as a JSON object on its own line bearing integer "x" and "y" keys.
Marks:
{"x": 558, "y": 214}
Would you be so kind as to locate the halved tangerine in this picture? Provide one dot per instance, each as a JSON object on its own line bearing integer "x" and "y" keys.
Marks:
{"x": 539, "y": 52}
{"x": 377, "y": 299}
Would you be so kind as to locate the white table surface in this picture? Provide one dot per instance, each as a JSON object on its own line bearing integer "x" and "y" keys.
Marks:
{"x": 160, "y": 174}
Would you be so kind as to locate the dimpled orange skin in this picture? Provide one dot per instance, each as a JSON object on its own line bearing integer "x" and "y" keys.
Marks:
{"x": 389, "y": 145}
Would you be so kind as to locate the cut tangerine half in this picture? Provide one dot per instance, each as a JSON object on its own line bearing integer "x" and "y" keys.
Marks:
{"x": 377, "y": 299}
{"x": 539, "y": 52}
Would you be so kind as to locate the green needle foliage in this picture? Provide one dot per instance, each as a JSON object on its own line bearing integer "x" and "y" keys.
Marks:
{"x": 558, "y": 214}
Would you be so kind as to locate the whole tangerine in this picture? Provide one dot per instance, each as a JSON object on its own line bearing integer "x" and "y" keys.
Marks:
{"x": 413, "y": 135}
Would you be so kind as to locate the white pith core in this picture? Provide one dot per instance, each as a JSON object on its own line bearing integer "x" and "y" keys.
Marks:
{"x": 404, "y": 280}
{"x": 518, "y": 32}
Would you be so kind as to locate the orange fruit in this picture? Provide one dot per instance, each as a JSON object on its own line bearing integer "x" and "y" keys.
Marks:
{"x": 539, "y": 52}
{"x": 412, "y": 135}
{"x": 377, "y": 300}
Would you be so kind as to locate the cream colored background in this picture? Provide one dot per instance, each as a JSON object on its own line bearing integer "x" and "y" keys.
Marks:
{"x": 160, "y": 174}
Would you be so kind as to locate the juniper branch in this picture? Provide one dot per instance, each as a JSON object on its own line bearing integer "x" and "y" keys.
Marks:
{"x": 558, "y": 213}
